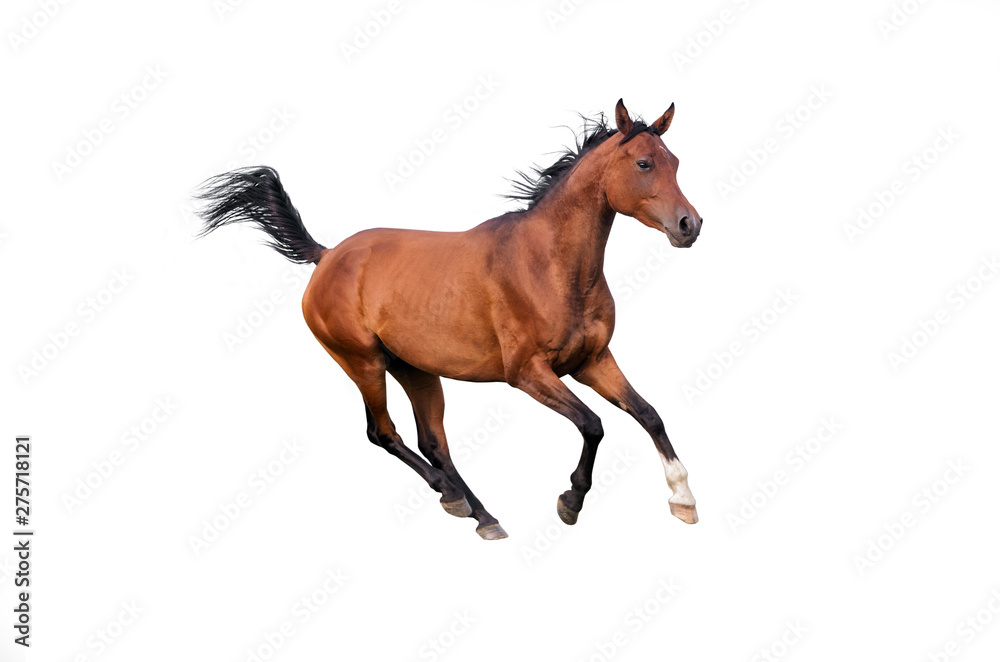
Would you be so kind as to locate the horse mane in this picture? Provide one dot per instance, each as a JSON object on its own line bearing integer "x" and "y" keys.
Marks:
{"x": 532, "y": 187}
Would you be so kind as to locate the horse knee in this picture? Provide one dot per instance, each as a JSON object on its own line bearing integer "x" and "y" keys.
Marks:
{"x": 591, "y": 428}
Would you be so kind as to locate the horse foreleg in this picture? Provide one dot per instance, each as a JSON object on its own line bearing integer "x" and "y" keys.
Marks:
{"x": 602, "y": 374}
{"x": 539, "y": 381}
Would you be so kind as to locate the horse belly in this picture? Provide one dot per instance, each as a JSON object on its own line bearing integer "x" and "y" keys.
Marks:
{"x": 444, "y": 346}
{"x": 436, "y": 317}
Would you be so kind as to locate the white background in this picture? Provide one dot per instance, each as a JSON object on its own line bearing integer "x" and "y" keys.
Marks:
{"x": 846, "y": 558}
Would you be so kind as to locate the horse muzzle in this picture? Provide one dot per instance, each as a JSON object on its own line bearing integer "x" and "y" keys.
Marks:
{"x": 685, "y": 232}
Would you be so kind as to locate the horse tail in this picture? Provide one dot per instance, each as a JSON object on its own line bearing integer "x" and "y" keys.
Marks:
{"x": 255, "y": 195}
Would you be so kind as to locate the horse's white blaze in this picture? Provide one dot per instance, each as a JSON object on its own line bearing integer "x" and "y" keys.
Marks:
{"x": 677, "y": 480}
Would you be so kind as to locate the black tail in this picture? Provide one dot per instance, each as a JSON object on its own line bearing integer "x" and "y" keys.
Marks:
{"x": 255, "y": 195}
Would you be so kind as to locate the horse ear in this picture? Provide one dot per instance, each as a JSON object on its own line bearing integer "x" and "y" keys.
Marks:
{"x": 622, "y": 119}
{"x": 661, "y": 125}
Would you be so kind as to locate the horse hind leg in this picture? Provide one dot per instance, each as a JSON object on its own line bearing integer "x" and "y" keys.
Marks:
{"x": 427, "y": 397}
{"x": 367, "y": 369}
{"x": 330, "y": 306}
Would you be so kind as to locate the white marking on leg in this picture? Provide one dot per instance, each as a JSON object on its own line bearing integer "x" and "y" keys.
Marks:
{"x": 677, "y": 480}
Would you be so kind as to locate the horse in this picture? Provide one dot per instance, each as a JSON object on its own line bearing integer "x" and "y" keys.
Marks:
{"x": 520, "y": 298}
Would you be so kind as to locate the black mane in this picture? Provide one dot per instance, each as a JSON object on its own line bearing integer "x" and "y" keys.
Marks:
{"x": 531, "y": 188}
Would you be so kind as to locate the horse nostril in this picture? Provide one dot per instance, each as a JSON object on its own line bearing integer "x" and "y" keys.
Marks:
{"x": 685, "y": 227}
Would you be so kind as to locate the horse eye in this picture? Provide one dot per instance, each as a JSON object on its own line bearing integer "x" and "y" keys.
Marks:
{"x": 643, "y": 165}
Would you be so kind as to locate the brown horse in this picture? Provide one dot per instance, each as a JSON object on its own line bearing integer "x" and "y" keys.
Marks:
{"x": 521, "y": 299}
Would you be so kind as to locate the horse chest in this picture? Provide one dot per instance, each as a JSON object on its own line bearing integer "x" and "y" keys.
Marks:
{"x": 582, "y": 330}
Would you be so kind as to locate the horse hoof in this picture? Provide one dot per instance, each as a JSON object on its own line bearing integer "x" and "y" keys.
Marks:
{"x": 458, "y": 508}
{"x": 686, "y": 514}
{"x": 491, "y": 532}
{"x": 566, "y": 514}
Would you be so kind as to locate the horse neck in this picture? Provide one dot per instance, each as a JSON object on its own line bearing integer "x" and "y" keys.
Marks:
{"x": 576, "y": 218}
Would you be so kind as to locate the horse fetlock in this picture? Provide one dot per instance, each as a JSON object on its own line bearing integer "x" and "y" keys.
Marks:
{"x": 682, "y": 504}
{"x": 448, "y": 491}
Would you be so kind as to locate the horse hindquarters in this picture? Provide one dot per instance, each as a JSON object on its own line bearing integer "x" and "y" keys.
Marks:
{"x": 333, "y": 311}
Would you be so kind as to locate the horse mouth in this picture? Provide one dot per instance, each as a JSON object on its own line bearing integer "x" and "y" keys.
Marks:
{"x": 680, "y": 242}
